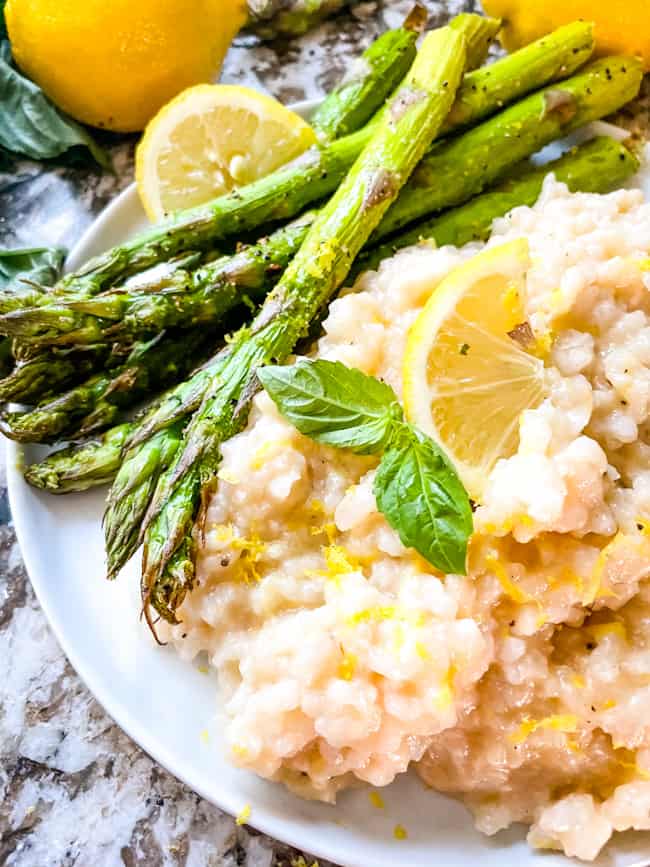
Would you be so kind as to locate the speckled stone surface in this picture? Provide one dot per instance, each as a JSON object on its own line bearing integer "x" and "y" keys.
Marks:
{"x": 75, "y": 789}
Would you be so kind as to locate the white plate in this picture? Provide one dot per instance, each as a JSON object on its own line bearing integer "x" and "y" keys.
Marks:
{"x": 165, "y": 704}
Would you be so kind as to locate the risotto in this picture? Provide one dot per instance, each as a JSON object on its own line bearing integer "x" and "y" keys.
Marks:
{"x": 524, "y": 687}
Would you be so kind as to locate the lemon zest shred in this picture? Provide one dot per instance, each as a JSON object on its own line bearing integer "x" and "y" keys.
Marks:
{"x": 339, "y": 562}
{"x": 566, "y": 723}
{"x": 386, "y": 612}
{"x": 421, "y": 651}
{"x": 445, "y": 697}
{"x": 400, "y": 832}
{"x": 266, "y": 450}
{"x": 608, "y": 705}
{"x": 243, "y": 815}
{"x": 594, "y": 589}
{"x": 376, "y": 800}
{"x": 644, "y": 264}
{"x": 203, "y": 669}
{"x": 578, "y": 681}
{"x": 347, "y": 666}
{"x": 239, "y": 750}
{"x": 205, "y": 736}
{"x": 509, "y": 587}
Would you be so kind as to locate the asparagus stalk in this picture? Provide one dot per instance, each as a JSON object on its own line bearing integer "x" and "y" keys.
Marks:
{"x": 181, "y": 298}
{"x": 272, "y": 18}
{"x": 370, "y": 80}
{"x": 486, "y": 151}
{"x": 452, "y": 173}
{"x": 97, "y": 402}
{"x": 313, "y": 176}
{"x": 131, "y": 494}
{"x": 82, "y": 465}
{"x": 320, "y": 266}
{"x": 48, "y": 372}
{"x": 597, "y": 166}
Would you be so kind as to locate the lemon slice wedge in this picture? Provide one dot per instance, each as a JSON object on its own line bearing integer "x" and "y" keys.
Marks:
{"x": 211, "y": 139}
{"x": 467, "y": 374}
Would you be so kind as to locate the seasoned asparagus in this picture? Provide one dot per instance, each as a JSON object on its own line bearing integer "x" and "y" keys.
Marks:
{"x": 271, "y": 18}
{"x": 132, "y": 491}
{"x": 96, "y": 403}
{"x": 311, "y": 177}
{"x": 182, "y": 298}
{"x": 370, "y": 80}
{"x": 320, "y": 266}
{"x": 453, "y": 172}
{"x": 82, "y": 465}
{"x": 487, "y": 150}
{"x": 51, "y": 370}
{"x": 595, "y": 167}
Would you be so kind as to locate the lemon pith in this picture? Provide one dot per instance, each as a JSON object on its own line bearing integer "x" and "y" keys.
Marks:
{"x": 466, "y": 379}
{"x": 211, "y": 139}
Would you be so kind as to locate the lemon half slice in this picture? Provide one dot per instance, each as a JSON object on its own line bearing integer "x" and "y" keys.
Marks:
{"x": 210, "y": 139}
{"x": 467, "y": 375}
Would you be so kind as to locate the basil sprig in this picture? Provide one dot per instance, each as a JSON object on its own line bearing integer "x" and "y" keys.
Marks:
{"x": 416, "y": 486}
{"x": 30, "y": 125}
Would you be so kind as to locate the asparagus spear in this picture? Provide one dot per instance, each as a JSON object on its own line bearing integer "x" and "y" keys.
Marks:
{"x": 487, "y": 150}
{"x": 181, "y": 298}
{"x": 317, "y": 173}
{"x": 370, "y": 80}
{"x": 131, "y": 494}
{"x": 97, "y": 402}
{"x": 272, "y": 18}
{"x": 452, "y": 173}
{"x": 81, "y": 466}
{"x": 320, "y": 266}
{"x": 50, "y": 371}
{"x": 597, "y": 166}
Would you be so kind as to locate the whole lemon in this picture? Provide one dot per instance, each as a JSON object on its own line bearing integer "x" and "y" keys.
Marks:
{"x": 114, "y": 63}
{"x": 622, "y": 26}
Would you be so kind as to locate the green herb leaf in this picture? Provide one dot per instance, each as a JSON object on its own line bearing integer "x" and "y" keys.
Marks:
{"x": 41, "y": 265}
{"x": 419, "y": 492}
{"x": 334, "y": 404}
{"x": 31, "y": 125}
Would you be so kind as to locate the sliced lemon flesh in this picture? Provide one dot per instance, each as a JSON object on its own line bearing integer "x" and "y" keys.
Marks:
{"x": 467, "y": 374}
{"x": 211, "y": 139}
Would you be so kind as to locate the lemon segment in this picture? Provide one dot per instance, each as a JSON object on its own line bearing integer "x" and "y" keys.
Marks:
{"x": 467, "y": 378}
{"x": 211, "y": 139}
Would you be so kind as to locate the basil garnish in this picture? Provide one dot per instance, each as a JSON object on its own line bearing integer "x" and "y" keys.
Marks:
{"x": 21, "y": 268}
{"x": 30, "y": 125}
{"x": 416, "y": 486}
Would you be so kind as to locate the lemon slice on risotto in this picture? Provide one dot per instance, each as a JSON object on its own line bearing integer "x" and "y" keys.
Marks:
{"x": 467, "y": 374}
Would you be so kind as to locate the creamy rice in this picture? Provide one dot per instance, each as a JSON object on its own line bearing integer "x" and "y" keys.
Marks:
{"x": 524, "y": 687}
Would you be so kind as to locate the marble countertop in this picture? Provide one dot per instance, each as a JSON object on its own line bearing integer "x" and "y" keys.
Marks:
{"x": 75, "y": 789}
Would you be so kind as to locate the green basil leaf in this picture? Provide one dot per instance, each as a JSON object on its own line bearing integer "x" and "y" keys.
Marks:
{"x": 41, "y": 265}
{"x": 419, "y": 492}
{"x": 334, "y": 404}
{"x": 32, "y": 126}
